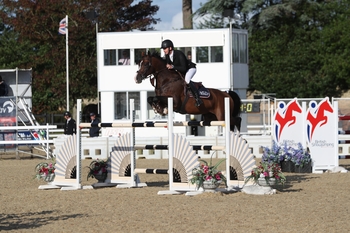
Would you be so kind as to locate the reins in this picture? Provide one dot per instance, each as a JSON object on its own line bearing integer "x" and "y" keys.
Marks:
{"x": 180, "y": 77}
{"x": 156, "y": 73}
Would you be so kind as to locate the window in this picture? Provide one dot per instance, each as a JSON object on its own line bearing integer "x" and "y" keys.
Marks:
{"x": 239, "y": 48}
{"x": 124, "y": 57}
{"x": 216, "y": 54}
{"x": 187, "y": 51}
{"x": 209, "y": 54}
{"x": 235, "y": 48}
{"x": 139, "y": 53}
{"x": 243, "y": 53}
{"x": 110, "y": 58}
{"x": 122, "y": 105}
{"x": 202, "y": 54}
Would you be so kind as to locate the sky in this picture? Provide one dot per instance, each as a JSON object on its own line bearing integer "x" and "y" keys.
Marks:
{"x": 170, "y": 13}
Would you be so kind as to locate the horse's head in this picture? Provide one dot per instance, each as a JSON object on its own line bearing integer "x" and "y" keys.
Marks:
{"x": 149, "y": 65}
{"x": 145, "y": 68}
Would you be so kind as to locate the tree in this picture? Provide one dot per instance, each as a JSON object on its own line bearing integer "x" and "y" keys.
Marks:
{"x": 34, "y": 25}
{"x": 211, "y": 13}
{"x": 187, "y": 14}
{"x": 14, "y": 52}
{"x": 266, "y": 14}
{"x": 304, "y": 56}
{"x": 297, "y": 48}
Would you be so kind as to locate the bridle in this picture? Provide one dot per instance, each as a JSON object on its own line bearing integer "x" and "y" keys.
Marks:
{"x": 143, "y": 76}
{"x": 148, "y": 66}
{"x": 154, "y": 74}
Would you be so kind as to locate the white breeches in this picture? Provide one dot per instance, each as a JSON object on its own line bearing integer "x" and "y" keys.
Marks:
{"x": 189, "y": 75}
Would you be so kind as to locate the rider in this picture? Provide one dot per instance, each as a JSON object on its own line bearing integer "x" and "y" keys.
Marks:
{"x": 177, "y": 60}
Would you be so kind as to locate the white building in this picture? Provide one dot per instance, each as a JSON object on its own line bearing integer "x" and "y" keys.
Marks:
{"x": 210, "y": 50}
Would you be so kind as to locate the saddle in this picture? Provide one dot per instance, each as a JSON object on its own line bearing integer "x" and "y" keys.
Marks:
{"x": 203, "y": 91}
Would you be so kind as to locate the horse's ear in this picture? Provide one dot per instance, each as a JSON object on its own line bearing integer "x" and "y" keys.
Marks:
{"x": 149, "y": 53}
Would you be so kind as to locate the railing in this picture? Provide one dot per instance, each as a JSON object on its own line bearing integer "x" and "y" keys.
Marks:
{"x": 46, "y": 141}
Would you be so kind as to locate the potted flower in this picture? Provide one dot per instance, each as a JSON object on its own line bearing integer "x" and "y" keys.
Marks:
{"x": 302, "y": 159}
{"x": 289, "y": 157}
{"x": 267, "y": 174}
{"x": 273, "y": 155}
{"x": 45, "y": 171}
{"x": 98, "y": 170}
{"x": 207, "y": 176}
{"x": 287, "y": 164}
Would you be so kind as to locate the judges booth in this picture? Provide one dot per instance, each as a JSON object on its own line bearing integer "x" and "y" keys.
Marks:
{"x": 221, "y": 58}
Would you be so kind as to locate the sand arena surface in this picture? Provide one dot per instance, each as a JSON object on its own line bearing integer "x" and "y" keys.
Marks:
{"x": 307, "y": 203}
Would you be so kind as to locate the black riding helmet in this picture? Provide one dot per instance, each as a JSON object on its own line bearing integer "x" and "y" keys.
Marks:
{"x": 167, "y": 44}
{"x": 67, "y": 114}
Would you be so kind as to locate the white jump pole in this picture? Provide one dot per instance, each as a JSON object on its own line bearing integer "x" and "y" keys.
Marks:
{"x": 170, "y": 141}
{"x": 227, "y": 136}
{"x": 336, "y": 134}
{"x": 132, "y": 150}
{"x": 78, "y": 166}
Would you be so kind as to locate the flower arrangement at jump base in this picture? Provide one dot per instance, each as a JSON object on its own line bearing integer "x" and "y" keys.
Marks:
{"x": 301, "y": 156}
{"x": 274, "y": 155}
{"x": 98, "y": 170}
{"x": 287, "y": 155}
{"x": 270, "y": 172}
{"x": 45, "y": 171}
{"x": 206, "y": 172}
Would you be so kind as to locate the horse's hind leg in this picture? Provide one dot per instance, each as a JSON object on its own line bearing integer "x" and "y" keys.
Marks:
{"x": 235, "y": 122}
{"x": 209, "y": 117}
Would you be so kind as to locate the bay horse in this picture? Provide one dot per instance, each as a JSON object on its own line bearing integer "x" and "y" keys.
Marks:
{"x": 170, "y": 83}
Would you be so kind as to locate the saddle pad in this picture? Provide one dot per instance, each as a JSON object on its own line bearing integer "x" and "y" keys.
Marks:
{"x": 203, "y": 92}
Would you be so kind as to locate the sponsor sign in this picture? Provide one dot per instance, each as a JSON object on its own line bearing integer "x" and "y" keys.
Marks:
{"x": 7, "y": 118}
{"x": 288, "y": 124}
{"x": 322, "y": 134}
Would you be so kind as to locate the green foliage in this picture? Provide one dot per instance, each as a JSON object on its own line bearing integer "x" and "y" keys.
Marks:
{"x": 15, "y": 52}
{"x": 306, "y": 56}
{"x": 297, "y": 48}
{"x": 31, "y": 40}
{"x": 211, "y": 13}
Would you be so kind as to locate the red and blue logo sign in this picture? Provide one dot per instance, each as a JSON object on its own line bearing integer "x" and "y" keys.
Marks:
{"x": 285, "y": 117}
{"x": 317, "y": 116}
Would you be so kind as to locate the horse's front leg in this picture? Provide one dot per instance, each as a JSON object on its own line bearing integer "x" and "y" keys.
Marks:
{"x": 159, "y": 104}
{"x": 164, "y": 100}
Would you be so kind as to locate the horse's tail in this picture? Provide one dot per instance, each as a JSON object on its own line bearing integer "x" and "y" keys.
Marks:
{"x": 237, "y": 103}
{"x": 236, "y": 109}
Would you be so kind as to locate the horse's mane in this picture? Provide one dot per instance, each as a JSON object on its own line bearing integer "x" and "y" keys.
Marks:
{"x": 157, "y": 55}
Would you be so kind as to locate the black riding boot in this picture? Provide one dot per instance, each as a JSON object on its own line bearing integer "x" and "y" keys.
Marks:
{"x": 195, "y": 94}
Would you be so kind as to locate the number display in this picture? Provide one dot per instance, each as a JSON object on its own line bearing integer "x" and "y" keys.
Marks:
{"x": 250, "y": 107}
